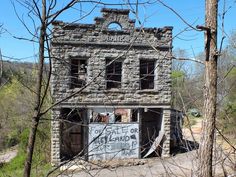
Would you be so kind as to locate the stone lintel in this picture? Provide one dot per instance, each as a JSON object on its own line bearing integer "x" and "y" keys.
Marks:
{"x": 118, "y": 11}
{"x": 92, "y": 105}
{"x": 78, "y": 43}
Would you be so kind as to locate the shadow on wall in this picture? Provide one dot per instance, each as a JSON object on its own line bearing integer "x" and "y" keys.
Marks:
{"x": 184, "y": 146}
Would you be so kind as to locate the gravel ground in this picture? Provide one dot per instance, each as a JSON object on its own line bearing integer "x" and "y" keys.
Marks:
{"x": 180, "y": 165}
{"x": 6, "y": 156}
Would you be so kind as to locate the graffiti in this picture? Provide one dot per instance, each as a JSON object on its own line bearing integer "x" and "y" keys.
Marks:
{"x": 113, "y": 141}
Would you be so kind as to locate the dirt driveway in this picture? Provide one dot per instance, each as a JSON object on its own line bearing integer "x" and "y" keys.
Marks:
{"x": 180, "y": 165}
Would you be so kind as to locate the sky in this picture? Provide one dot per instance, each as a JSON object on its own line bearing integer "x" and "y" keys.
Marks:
{"x": 150, "y": 15}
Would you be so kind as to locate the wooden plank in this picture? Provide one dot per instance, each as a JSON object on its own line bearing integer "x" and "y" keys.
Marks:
{"x": 155, "y": 144}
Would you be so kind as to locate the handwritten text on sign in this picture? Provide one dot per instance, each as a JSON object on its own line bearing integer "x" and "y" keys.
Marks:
{"x": 107, "y": 141}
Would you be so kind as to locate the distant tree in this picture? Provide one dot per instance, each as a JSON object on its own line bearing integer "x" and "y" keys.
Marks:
{"x": 187, "y": 81}
{"x": 227, "y": 89}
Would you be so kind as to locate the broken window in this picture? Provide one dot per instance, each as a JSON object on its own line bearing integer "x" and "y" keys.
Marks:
{"x": 147, "y": 75}
{"x": 125, "y": 115}
{"x": 78, "y": 73}
{"x": 122, "y": 115}
{"x": 101, "y": 115}
{"x": 113, "y": 74}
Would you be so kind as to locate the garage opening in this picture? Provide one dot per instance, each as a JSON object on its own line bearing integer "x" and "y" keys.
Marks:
{"x": 72, "y": 132}
{"x": 151, "y": 126}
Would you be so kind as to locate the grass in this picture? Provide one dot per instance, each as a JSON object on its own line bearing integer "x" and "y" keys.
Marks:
{"x": 41, "y": 158}
{"x": 15, "y": 167}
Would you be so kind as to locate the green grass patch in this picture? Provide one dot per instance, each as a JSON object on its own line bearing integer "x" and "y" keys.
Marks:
{"x": 41, "y": 157}
{"x": 16, "y": 166}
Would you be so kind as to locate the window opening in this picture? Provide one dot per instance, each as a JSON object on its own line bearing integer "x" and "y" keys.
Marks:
{"x": 118, "y": 115}
{"x": 122, "y": 115}
{"x": 78, "y": 73}
{"x": 147, "y": 74}
{"x": 114, "y": 26}
{"x": 102, "y": 117}
{"x": 126, "y": 115}
{"x": 134, "y": 116}
{"x": 113, "y": 74}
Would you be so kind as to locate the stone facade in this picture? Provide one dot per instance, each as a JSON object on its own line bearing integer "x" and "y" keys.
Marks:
{"x": 97, "y": 46}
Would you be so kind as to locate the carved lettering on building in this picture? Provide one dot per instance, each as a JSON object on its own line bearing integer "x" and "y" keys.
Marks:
{"x": 118, "y": 38}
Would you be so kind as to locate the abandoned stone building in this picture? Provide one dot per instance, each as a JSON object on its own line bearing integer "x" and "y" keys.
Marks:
{"x": 112, "y": 82}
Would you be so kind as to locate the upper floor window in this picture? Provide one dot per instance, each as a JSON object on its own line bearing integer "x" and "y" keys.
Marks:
{"x": 78, "y": 73}
{"x": 147, "y": 74}
{"x": 114, "y": 26}
{"x": 113, "y": 74}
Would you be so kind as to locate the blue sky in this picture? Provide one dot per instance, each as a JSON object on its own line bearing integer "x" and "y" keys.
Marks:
{"x": 154, "y": 15}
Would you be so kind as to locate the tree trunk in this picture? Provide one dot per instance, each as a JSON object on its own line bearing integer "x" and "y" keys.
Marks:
{"x": 210, "y": 92}
{"x": 1, "y": 67}
{"x": 37, "y": 109}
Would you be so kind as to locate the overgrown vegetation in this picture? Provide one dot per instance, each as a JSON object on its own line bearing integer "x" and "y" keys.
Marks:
{"x": 228, "y": 113}
{"x": 187, "y": 87}
{"x": 16, "y": 101}
{"x": 41, "y": 157}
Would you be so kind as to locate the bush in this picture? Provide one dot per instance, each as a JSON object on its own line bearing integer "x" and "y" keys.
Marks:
{"x": 24, "y": 140}
{"x": 40, "y": 157}
{"x": 11, "y": 139}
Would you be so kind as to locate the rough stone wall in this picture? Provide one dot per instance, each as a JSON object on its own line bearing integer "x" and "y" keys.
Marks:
{"x": 55, "y": 137}
{"x": 167, "y": 130}
{"x": 96, "y": 43}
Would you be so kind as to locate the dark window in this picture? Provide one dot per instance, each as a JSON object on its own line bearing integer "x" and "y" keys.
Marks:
{"x": 113, "y": 74}
{"x": 78, "y": 73}
{"x": 72, "y": 132}
{"x": 134, "y": 117}
{"x": 147, "y": 74}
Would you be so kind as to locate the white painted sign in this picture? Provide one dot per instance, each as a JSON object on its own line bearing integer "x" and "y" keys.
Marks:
{"x": 108, "y": 141}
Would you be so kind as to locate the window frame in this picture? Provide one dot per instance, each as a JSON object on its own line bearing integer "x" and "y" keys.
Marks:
{"x": 147, "y": 78}
{"x": 78, "y": 72}
{"x": 113, "y": 74}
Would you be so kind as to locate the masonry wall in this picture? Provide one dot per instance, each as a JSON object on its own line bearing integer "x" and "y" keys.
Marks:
{"x": 96, "y": 43}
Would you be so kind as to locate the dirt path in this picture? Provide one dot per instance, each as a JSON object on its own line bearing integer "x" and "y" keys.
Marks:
{"x": 194, "y": 132}
{"x": 8, "y": 155}
{"x": 180, "y": 165}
